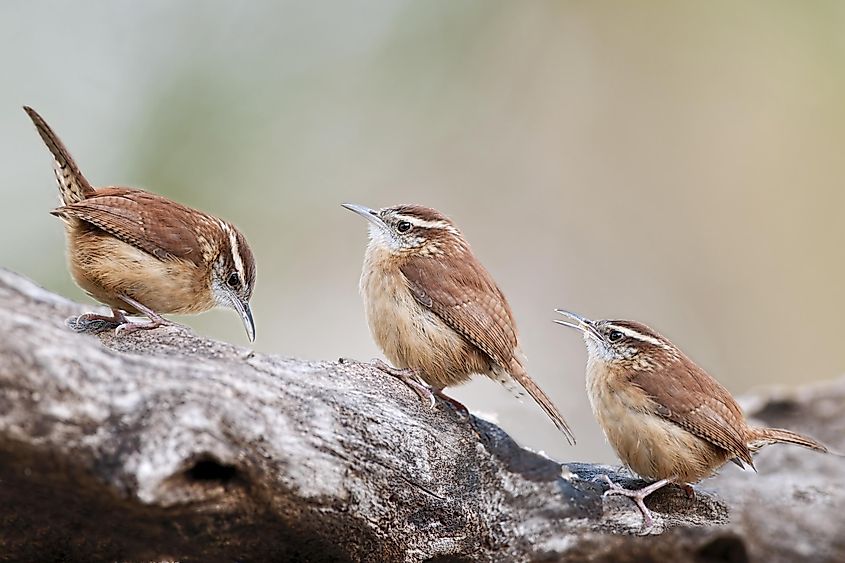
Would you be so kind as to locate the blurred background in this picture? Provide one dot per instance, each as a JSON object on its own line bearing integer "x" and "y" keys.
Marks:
{"x": 676, "y": 164}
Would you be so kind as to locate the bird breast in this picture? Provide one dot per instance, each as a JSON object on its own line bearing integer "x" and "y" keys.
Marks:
{"x": 105, "y": 266}
{"x": 410, "y": 335}
{"x": 650, "y": 445}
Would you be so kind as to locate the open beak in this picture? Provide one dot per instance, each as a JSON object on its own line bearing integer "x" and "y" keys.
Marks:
{"x": 583, "y": 324}
{"x": 242, "y": 307}
{"x": 370, "y": 215}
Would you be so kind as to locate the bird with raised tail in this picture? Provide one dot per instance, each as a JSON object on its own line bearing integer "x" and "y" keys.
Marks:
{"x": 141, "y": 253}
{"x": 667, "y": 419}
{"x": 435, "y": 311}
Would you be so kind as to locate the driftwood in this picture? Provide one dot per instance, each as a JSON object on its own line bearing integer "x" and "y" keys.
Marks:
{"x": 163, "y": 445}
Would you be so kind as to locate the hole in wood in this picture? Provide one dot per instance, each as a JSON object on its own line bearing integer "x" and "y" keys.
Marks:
{"x": 205, "y": 470}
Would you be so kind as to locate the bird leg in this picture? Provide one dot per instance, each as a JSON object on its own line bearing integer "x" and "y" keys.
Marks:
{"x": 117, "y": 317}
{"x": 128, "y": 327}
{"x": 424, "y": 391}
{"x": 638, "y": 496}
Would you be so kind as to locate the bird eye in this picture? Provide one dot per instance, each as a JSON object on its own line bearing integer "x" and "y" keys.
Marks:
{"x": 234, "y": 280}
{"x": 615, "y": 336}
{"x": 403, "y": 226}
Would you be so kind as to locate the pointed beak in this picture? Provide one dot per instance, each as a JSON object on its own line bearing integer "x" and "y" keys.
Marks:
{"x": 370, "y": 215}
{"x": 583, "y": 324}
{"x": 242, "y": 307}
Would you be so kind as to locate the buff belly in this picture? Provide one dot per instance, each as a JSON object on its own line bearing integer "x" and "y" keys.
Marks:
{"x": 105, "y": 266}
{"x": 651, "y": 446}
{"x": 411, "y": 336}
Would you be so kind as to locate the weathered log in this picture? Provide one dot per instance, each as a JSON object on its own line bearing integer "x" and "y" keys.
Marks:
{"x": 164, "y": 445}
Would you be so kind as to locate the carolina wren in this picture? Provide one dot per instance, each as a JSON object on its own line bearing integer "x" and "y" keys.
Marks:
{"x": 141, "y": 253}
{"x": 668, "y": 419}
{"x": 434, "y": 310}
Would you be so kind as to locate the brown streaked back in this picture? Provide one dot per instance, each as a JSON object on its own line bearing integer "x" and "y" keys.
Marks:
{"x": 686, "y": 394}
{"x": 152, "y": 223}
{"x": 459, "y": 290}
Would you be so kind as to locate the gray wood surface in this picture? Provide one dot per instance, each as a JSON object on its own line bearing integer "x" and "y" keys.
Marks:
{"x": 163, "y": 445}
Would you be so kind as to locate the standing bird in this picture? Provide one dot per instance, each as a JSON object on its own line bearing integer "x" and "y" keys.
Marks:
{"x": 434, "y": 310}
{"x": 667, "y": 419}
{"x": 141, "y": 253}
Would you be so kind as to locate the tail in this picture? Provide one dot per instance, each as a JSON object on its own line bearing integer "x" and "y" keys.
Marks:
{"x": 73, "y": 186}
{"x": 759, "y": 437}
{"x": 518, "y": 373}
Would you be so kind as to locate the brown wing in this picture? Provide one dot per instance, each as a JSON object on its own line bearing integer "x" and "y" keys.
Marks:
{"x": 690, "y": 398}
{"x": 73, "y": 186}
{"x": 462, "y": 293}
{"x": 465, "y": 296}
{"x": 147, "y": 221}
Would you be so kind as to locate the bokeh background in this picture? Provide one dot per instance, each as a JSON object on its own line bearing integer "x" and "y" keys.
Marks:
{"x": 674, "y": 163}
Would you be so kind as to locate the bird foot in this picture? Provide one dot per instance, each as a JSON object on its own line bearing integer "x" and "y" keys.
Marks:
{"x": 410, "y": 378}
{"x": 128, "y": 327}
{"x": 92, "y": 322}
{"x": 424, "y": 391}
{"x": 637, "y": 495}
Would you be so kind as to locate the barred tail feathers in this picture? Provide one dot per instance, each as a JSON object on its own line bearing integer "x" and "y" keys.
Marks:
{"x": 73, "y": 186}
{"x": 518, "y": 374}
{"x": 760, "y": 436}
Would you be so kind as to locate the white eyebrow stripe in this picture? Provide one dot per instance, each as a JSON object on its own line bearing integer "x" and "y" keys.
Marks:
{"x": 235, "y": 249}
{"x": 422, "y": 223}
{"x": 637, "y": 335}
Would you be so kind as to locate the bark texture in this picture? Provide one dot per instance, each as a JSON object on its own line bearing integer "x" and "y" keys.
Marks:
{"x": 163, "y": 445}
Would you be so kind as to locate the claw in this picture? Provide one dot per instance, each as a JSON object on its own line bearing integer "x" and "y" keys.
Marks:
{"x": 129, "y": 327}
{"x": 424, "y": 391}
{"x": 459, "y": 407}
{"x": 94, "y": 321}
{"x": 432, "y": 401}
{"x": 637, "y": 495}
